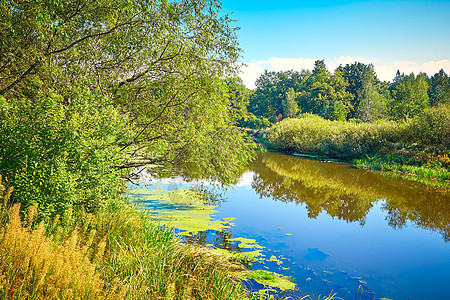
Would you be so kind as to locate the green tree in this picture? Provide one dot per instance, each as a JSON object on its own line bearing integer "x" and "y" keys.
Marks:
{"x": 290, "y": 107}
{"x": 239, "y": 96}
{"x": 439, "y": 92}
{"x": 356, "y": 75}
{"x": 325, "y": 92}
{"x": 372, "y": 104}
{"x": 271, "y": 89}
{"x": 90, "y": 89}
{"x": 409, "y": 95}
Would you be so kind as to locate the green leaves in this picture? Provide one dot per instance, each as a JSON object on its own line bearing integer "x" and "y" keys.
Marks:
{"x": 409, "y": 96}
{"x": 91, "y": 88}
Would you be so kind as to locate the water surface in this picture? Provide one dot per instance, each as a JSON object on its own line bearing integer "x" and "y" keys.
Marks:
{"x": 330, "y": 227}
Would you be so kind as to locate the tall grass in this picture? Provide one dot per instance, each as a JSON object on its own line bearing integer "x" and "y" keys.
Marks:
{"x": 115, "y": 254}
{"x": 345, "y": 140}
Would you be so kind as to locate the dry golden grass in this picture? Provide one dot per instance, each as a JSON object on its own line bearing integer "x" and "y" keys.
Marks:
{"x": 33, "y": 266}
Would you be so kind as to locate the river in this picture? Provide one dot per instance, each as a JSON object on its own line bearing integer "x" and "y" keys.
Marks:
{"x": 327, "y": 225}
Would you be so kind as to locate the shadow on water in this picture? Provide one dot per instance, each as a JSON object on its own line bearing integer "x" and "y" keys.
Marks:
{"x": 347, "y": 193}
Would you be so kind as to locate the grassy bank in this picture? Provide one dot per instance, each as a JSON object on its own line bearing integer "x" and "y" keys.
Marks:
{"x": 116, "y": 253}
{"x": 417, "y": 149}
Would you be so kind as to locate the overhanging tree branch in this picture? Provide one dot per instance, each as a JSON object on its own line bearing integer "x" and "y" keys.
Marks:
{"x": 9, "y": 87}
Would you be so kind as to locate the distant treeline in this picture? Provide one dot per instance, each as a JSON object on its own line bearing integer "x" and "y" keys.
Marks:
{"x": 353, "y": 91}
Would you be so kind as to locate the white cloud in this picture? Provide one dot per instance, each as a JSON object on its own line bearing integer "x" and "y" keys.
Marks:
{"x": 283, "y": 64}
{"x": 384, "y": 71}
{"x": 251, "y": 71}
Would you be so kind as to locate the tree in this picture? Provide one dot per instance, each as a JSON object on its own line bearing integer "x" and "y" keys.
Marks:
{"x": 271, "y": 89}
{"x": 409, "y": 95}
{"x": 439, "y": 92}
{"x": 93, "y": 88}
{"x": 290, "y": 107}
{"x": 324, "y": 92}
{"x": 239, "y": 97}
{"x": 371, "y": 101}
{"x": 356, "y": 76}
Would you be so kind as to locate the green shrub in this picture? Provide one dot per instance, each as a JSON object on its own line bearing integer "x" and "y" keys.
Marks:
{"x": 432, "y": 127}
{"x": 60, "y": 155}
{"x": 346, "y": 140}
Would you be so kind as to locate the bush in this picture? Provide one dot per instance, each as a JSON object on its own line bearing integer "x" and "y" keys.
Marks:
{"x": 60, "y": 155}
{"x": 432, "y": 127}
{"x": 346, "y": 140}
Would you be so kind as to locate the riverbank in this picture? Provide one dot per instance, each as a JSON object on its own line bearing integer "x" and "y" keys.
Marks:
{"x": 117, "y": 253}
{"x": 416, "y": 150}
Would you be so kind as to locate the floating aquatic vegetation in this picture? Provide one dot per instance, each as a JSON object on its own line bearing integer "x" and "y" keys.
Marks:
{"x": 271, "y": 281}
{"x": 247, "y": 243}
{"x": 247, "y": 258}
{"x": 275, "y": 259}
{"x": 182, "y": 209}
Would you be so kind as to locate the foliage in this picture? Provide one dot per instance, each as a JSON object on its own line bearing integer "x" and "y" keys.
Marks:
{"x": 372, "y": 104}
{"x": 324, "y": 92}
{"x": 61, "y": 157}
{"x": 432, "y": 128}
{"x": 271, "y": 89}
{"x": 252, "y": 121}
{"x": 239, "y": 97}
{"x": 352, "y": 92}
{"x": 359, "y": 78}
{"x": 345, "y": 140}
{"x": 439, "y": 91}
{"x": 289, "y": 106}
{"x": 91, "y": 89}
{"x": 409, "y": 96}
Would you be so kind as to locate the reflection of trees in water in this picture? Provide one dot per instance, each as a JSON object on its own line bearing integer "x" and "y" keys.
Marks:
{"x": 218, "y": 239}
{"x": 348, "y": 193}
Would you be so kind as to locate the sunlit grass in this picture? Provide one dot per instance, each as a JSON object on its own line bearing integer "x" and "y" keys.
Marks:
{"x": 115, "y": 254}
{"x": 430, "y": 171}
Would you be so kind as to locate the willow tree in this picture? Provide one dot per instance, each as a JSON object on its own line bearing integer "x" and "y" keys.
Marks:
{"x": 89, "y": 88}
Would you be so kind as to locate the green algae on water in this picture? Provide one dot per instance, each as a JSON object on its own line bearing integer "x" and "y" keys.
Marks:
{"x": 246, "y": 243}
{"x": 182, "y": 209}
{"x": 270, "y": 280}
{"x": 248, "y": 257}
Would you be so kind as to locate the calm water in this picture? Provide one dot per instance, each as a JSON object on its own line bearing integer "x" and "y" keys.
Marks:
{"x": 335, "y": 228}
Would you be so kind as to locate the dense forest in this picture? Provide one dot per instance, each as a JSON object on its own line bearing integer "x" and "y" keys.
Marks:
{"x": 352, "y": 92}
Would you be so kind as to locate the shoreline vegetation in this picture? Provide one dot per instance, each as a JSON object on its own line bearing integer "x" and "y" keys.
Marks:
{"x": 117, "y": 253}
{"x": 416, "y": 149}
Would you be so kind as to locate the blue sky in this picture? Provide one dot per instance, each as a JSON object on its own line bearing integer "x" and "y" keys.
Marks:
{"x": 411, "y": 36}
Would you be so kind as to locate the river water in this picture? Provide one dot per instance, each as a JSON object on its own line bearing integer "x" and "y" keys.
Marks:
{"x": 328, "y": 225}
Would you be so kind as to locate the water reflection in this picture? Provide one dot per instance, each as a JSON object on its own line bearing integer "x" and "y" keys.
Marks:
{"x": 347, "y": 193}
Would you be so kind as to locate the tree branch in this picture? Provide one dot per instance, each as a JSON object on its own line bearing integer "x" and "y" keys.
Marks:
{"x": 91, "y": 36}
{"x": 9, "y": 87}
